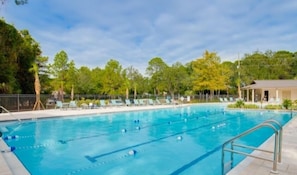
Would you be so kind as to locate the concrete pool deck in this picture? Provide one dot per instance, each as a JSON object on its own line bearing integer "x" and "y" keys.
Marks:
{"x": 10, "y": 165}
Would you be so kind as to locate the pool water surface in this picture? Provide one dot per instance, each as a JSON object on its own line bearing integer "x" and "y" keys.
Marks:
{"x": 182, "y": 140}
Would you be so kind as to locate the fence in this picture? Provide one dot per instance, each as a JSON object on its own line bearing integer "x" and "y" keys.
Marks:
{"x": 25, "y": 102}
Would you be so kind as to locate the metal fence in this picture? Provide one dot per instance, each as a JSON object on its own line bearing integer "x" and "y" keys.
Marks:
{"x": 25, "y": 102}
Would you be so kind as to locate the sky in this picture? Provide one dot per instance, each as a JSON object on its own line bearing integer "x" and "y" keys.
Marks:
{"x": 92, "y": 32}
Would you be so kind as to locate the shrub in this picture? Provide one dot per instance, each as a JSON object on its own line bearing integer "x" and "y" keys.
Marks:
{"x": 239, "y": 104}
{"x": 287, "y": 103}
{"x": 273, "y": 107}
{"x": 251, "y": 106}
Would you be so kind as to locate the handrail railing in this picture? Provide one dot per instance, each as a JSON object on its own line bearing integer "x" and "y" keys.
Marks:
{"x": 275, "y": 126}
{"x": 2, "y": 108}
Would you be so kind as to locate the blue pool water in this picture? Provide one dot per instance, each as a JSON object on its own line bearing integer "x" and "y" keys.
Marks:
{"x": 182, "y": 140}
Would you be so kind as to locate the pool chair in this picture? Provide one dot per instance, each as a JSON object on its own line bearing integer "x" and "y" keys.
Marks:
{"x": 102, "y": 103}
{"x": 221, "y": 100}
{"x": 150, "y": 102}
{"x": 72, "y": 105}
{"x": 158, "y": 102}
{"x": 168, "y": 102}
{"x": 141, "y": 102}
{"x": 136, "y": 103}
{"x": 226, "y": 100}
{"x": 128, "y": 102}
{"x": 61, "y": 105}
{"x": 115, "y": 102}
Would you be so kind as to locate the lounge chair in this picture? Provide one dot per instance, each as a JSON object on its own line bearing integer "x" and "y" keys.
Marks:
{"x": 102, "y": 103}
{"x": 158, "y": 102}
{"x": 116, "y": 102}
{"x": 226, "y": 100}
{"x": 72, "y": 104}
{"x": 141, "y": 102}
{"x": 60, "y": 105}
{"x": 128, "y": 102}
{"x": 168, "y": 102}
{"x": 221, "y": 100}
{"x": 136, "y": 102}
{"x": 150, "y": 102}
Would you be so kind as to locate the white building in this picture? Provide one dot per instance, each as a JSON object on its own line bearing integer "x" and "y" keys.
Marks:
{"x": 270, "y": 90}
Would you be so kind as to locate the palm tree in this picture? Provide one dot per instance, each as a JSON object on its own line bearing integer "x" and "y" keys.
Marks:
{"x": 38, "y": 104}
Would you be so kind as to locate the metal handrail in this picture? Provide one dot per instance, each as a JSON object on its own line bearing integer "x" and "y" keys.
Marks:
{"x": 275, "y": 126}
{"x": 10, "y": 113}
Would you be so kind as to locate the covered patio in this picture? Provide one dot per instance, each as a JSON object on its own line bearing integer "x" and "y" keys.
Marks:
{"x": 272, "y": 91}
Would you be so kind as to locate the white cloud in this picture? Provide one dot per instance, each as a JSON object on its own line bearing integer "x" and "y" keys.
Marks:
{"x": 133, "y": 31}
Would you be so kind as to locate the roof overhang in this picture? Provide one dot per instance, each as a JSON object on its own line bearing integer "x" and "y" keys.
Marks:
{"x": 271, "y": 84}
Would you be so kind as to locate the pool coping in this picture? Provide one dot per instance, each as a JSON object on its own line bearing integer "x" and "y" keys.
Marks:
{"x": 10, "y": 164}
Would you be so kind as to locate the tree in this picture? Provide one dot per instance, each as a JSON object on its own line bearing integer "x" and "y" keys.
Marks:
{"x": 38, "y": 104}
{"x": 282, "y": 64}
{"x": 134, "y": 79}
{"x": 96, "y": 77}
{"x": 233, "y": 82}
{"x": 156, "y": 70}
{"x": 85, "y": 84}
{"x": 112, "y": 80}
{"x": 175, "y": 78}
{"x": 10, "y": 43}
{"x": 208, "y": 73}
{"x": 28, "y": 54}
{"x": 59, "y": 70}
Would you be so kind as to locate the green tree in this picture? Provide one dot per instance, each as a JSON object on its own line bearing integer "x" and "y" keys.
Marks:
{"x": 208, "y": 73}
{"x": 96, "y": 77}
{"x": 112, "y": 80}
{"x": 175, "y": 78}
{"x": 229, "y": 70}
{"x": 28, "y": 54}
{"x": 134, "y": 79}
{"x": 59, "y": 70}
{"x": 155, "y": 70}
{"x": 282, "y": 65}
{"x": 85, "y": 84}
{"x": 10, "y": 42}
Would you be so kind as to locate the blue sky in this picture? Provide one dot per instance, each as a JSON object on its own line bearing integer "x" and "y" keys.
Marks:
{"x": 135, "y": 31}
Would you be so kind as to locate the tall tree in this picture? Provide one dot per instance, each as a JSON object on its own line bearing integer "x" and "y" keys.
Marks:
{"x": 174, "y": 78}
{"x": 134, "y": 78}
{"x": 208, "y": 73}
{"x": 29, "y": 52}
{"x": 85, "y": 84}
{"x": 112, "y": 80}
{"x": 59, "y": 70}
{"x": 10, "y": 44}
{"x": 155, "y": 70}
{"x": 38, "y": 104}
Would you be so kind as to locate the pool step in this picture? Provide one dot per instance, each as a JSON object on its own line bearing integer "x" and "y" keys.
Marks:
{"x": 3, "y": 129}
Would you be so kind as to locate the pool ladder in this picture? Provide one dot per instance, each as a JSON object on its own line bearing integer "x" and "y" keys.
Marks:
{"x": 4, "y": 109}
{"x": 277, "y": 129}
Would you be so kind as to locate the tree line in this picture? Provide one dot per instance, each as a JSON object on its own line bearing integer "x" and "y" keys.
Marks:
{"x": 19, "y": 52}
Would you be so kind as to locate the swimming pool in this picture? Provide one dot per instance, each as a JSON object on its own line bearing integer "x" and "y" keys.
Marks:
{"x": 181, "y": 140}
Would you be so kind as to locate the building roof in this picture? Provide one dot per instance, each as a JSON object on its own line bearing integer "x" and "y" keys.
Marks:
{"x": 260, "y": 84}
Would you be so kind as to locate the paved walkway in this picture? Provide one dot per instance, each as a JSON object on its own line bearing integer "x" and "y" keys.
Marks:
{"x": 10, "y": 165}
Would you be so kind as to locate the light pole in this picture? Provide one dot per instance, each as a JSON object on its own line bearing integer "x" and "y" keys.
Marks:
{"x": 238, "y": 80}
